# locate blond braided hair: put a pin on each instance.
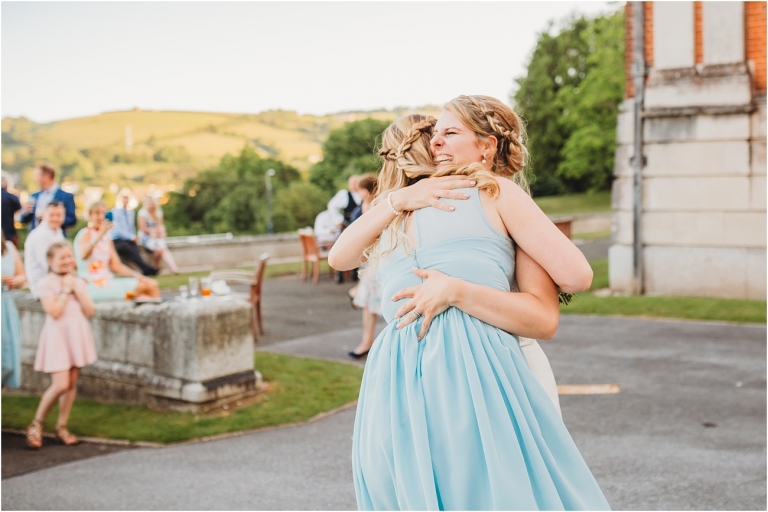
(407, 164)
(488, 117)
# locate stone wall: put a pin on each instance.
(187, 356)
(241, 251)
(704, 182)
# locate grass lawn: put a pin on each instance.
(575, 203)
(300, 388)
(692, 308)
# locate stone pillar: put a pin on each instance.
(704, 188)
(673, 35)
(723, 32)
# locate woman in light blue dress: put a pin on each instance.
(13, 278)
(450, 415)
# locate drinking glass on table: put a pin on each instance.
(183, 292)
(205, 287)
(194, 286)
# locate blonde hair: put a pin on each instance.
(95, 206)
(488, 117)
(407, 159)
(55, 247)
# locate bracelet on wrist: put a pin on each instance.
(389, 203)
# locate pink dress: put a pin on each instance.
(65, 342)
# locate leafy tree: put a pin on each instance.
(569, 98)
(298, 205)
(230, 197)
(348, 150)
(588, 154)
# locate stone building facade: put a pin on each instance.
(703, 180)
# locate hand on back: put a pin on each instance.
(429, 191)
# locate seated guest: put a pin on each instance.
(32, 213)
(99, 264)
(39, 240)
(152, 234)
(328, 224)
(124, 237)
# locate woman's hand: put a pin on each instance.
(428, 192)
(14, 282)
(429, 299)
(103, 229)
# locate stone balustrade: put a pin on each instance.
(187, 356)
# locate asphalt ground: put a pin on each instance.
(686, 432)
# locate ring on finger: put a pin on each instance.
(416, 314)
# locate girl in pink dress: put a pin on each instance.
(66, 341)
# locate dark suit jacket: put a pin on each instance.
(69, 205)
(11, 205)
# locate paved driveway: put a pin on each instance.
(687, 431)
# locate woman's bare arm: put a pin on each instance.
(533, 312)
(348, 249)
(538, 236)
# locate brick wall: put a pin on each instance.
(755, 41)
(755, 34)
(629, 49)
(629, 38)
(698, 33)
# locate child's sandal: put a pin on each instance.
(35, 434)
(65, 436)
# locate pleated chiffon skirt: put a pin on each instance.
(457, 421)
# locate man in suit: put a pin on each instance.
(32, 213)
(11, 205)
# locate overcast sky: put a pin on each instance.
(71, 59)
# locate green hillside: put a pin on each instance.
(166, 147)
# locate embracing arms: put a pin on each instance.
(348, 249)
(533, 312)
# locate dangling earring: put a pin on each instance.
(483, 160)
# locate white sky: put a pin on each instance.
(71, 59)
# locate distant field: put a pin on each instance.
(295, 139)
(109, 128)
(207, 144)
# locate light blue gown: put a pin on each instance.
(457, 420)
(11, 327)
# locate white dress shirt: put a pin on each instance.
(45, 197)
(37, 244)
(327, 226)
(341, 200)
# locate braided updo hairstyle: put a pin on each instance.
(487, 117)
(407, 159)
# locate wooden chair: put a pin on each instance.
(311, 254)
(254, 280)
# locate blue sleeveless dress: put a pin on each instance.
(457, 420)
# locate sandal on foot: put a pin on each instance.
(35, 434)
(65, 436)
